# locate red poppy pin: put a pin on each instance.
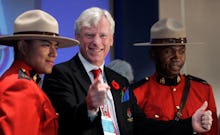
(130, 118)
(115, 85)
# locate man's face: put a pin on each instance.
(95, 42)
(40, 55)
(169, 59)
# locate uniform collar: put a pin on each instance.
(168, 81)
(25, 71)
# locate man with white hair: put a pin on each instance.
(90, 98)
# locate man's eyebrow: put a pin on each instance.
(50, 41)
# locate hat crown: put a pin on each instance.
(167, 28)
(36, 21)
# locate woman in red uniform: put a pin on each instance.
(24, 107)
(171, 103)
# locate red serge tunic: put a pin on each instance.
(160, 102)
(24, 107)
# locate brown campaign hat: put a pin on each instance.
(37, 24)
(166, 32)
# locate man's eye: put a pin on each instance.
(46, 45)
(89, 35)
(168, 51)
(103, 36)
(182, 51)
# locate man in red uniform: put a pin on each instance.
(24, 107)
(171, 103)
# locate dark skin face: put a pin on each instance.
(169, 60)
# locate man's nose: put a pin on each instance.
(53, 51)
(97, 39)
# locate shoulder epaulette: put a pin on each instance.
(197, 79)
(140, 82)
(22, 74)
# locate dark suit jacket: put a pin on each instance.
(67, 89)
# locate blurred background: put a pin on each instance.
(133, 21)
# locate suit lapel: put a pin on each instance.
(110, 78)
(80, 73)
(116, 93)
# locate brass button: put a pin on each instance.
(57, 114)
(174, 89)
(177, 107)
(156, 116)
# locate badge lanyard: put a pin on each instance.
(107, 122)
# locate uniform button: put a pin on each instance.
(174, 89)
(177, 107)
(156, 116)
(57, 114)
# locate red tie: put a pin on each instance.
(96, 73)
(104, 108)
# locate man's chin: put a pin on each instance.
(175, 73)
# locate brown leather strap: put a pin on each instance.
(169, 40)
(184, 98)
(37, 32)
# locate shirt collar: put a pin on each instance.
(87, 65)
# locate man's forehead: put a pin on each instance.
(45, 41)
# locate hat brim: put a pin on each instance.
(166, 44)
(63, 41)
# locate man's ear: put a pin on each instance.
(22, 47)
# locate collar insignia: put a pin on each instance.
(167, 81)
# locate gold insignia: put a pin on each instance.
(35, 77)
(162, 80)
(178, 79)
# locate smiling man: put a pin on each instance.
(171, 103)
(90, 98)
(24, 107)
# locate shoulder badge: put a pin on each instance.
(197, 79)
(22, 74)
(140, 82)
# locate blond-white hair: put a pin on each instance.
(91, 16)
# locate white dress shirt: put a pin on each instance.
(89, 67)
